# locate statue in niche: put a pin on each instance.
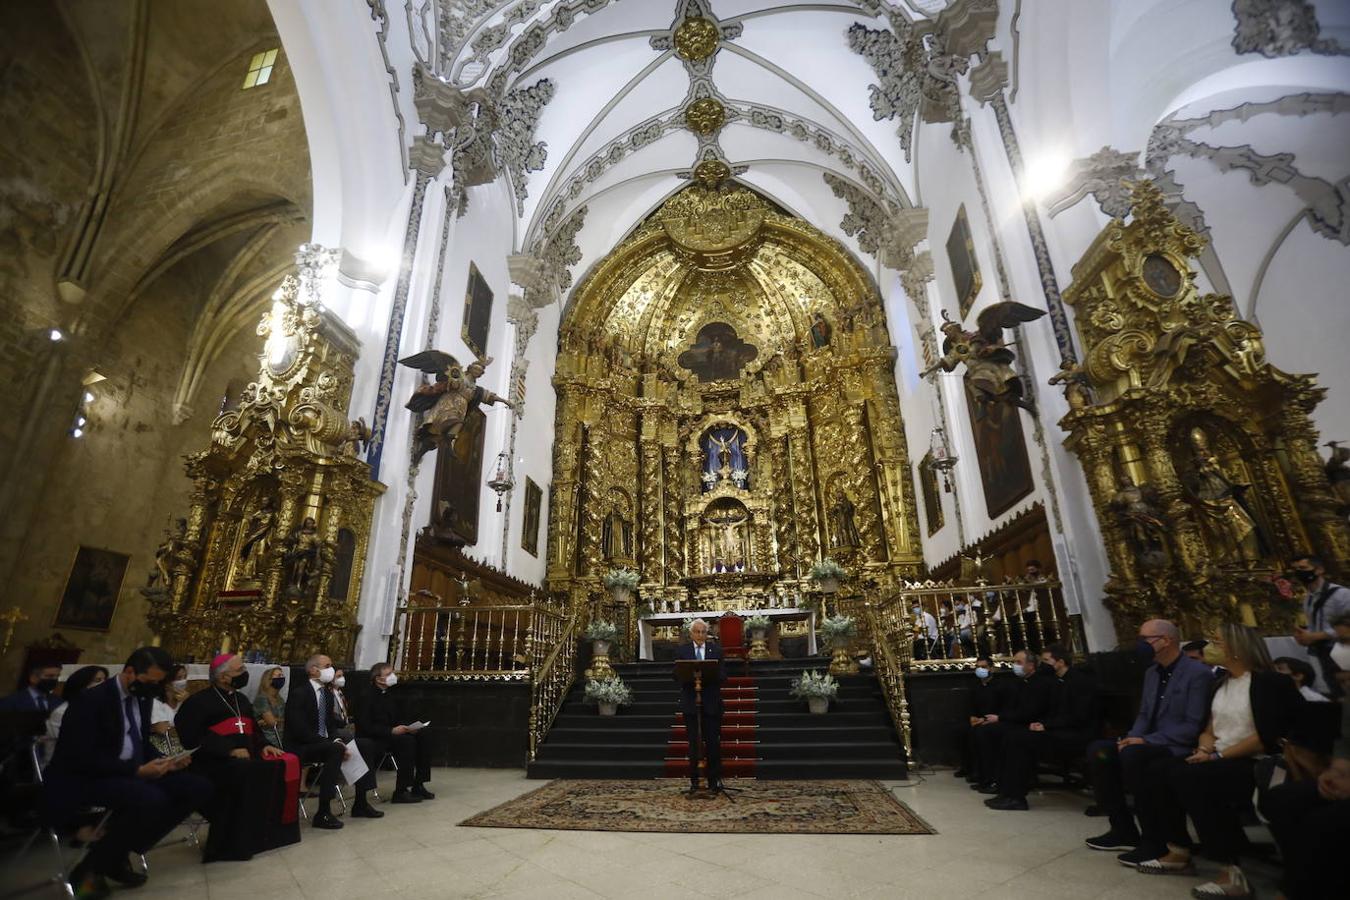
(988, 361)
(169, 555)
(1228, 524)
(257, 539)
(617, 536)
(841, 515)
(727, 539)
(724, 457)
(1136, 509)
(304, 554)
(821, 332)
(447, 400)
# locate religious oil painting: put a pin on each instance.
(718, 354)
(477, 312)
(90, 597)
(459, 476)
(932, 497)
(534, 500)
(965, 267)
(1005, 468)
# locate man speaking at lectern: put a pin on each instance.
(711, 726)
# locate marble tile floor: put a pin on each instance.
(420, 851)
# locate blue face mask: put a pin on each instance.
(1144, 650)
(1019, 670)
(981, 673)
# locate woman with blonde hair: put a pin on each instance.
(1252, 710)
(270, 707)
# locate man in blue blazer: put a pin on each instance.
(1172, 713)
(36, 695)
(104, 758)
(710, 727)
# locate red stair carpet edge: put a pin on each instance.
(740, 750)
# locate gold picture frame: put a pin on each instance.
(93, 587)
(477, 312)
(534, 501)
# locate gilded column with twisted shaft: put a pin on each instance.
(1326, 527)
(562, 508)
(858, 451)
(892, 469)
(650, 556)
(674, 568)
(802, 475)
(592, 518)
(776, 467)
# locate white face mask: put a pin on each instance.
(340, 681)
(982, 673)
(325, 674)
(390, 680)
(180, 685)
(1019, 670)
(1340, 655)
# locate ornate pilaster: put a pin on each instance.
(675, 562)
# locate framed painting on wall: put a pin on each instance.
(932, 496)
(477, 312)
(1001, 449)
(534, 500)
(459, 481)
(92, 588)
(965, 265)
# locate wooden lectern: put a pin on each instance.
(687, 670)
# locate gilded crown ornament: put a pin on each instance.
(705, 115)
(696, 39)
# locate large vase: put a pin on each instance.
(620, 593)
(759, 647)
(600, 669)
(828, 585)
(608, 709)
(818, 705)
(841, 659)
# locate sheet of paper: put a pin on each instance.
(418, 726)
(353, 767)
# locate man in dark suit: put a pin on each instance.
(1172, 713)
(985, 698)
(709, 729)
(1027, 700)
(36, 695)
(1074, 719)
(381, 723)
(312, 726)
(104, 757)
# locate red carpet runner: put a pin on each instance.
(740, 749)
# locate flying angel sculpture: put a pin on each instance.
(988, 360)
(446, 401)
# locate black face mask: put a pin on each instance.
(1144, 650)
(1307, 576)
(146, 690)
(47, 685)
(278, 683)
(240, 680)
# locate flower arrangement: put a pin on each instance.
(612, 690)
(600, 630)
(815, 684)
(621, 578)
(827, 568)
(757, 623)
(838, 629)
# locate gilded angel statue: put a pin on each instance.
(988, 360)
(447, 400)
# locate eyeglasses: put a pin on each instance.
(1152, 637)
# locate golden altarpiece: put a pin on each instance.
(271, 553)
(727, 414)
(1199, 454)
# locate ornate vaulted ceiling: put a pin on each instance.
(609, 104)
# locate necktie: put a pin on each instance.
(323, 713)
(700, 651)
(137, 750)
(42, 702)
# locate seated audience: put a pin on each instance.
(1033, 619)
(38, 694)
(1252, 711)
(79, 681)
(1027, 700)
(1324, 602)
(340, 705)
(1310, 818)
(1072, 721)
(310, 732)
(1304, 676)
(927, 643)
(382, 722)
(1172, 711)
(104, 758)
(269, 707)
(985, 698)
(257, 786)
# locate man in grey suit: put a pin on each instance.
(1172, 713)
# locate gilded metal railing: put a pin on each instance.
(890, 656)
(552, 679)
(475, 643)
(959, 622)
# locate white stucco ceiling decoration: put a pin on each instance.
(794, 96)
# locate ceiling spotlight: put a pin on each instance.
(80, 421)
(56, 335)
(88, 397)
(78, 432)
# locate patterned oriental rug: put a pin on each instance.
(759, 807)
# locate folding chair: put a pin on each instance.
(309, 774)
(387, 758)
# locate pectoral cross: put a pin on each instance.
(239, 723)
